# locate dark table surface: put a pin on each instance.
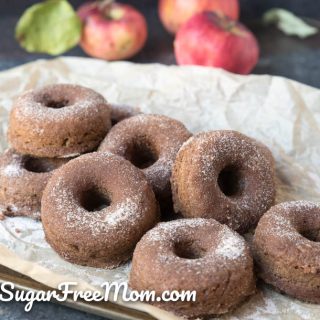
(280, 55)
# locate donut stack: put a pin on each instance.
(47, 128)
(101, 208)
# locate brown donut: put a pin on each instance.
(58, 120)
(120, 112)
(224, 175)
(22, 181)
(96, 208)
(194, 254)
(151, 143)
(287, 250)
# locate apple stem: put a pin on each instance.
(104, 5)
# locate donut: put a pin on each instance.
(58, 121)
(198, 255)
(224, 175)
(96, 208)
(286, 249)
(22, 181)
(150, 142)
(121, 112)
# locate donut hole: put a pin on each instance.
(57, 104)
(94, 200)
(230, 181)
(141, 155)
(188, 250)
(39, 165)
(312, 235)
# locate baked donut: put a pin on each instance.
(58, 121)
(224, 175)
(120, 112)
(22, 181)
(287, 250)
(199, 255)
(151, 143)
(96, 208)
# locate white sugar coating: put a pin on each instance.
(169, 129)
(119, 215)
(205, 155)
(157, 233)
(28, 105)
(124, 212)
(10, 164)
(300, 204)
(281, 225)
(161, 134)
(12, 170)
(230, 246)
(114, 216)
(230, 143)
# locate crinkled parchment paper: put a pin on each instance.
(283, 114)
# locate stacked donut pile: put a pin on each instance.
(102, 178)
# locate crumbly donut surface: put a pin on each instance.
(151, 142)
(58, 121)
(22, 181)
(96, 208)
(287, 251)
(194, 254)
(224, 175)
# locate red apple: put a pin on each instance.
(174, 13)
(210, 40)
(112, 31)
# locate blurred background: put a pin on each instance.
(282, 55)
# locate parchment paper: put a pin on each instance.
(283, 114)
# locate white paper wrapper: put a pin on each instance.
(283, 114)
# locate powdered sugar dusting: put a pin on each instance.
(11, 163)
(301, 204)
(119, 215)
(282, 220)
(230, 246)
(124, 211)
(12, 170)
(161, 134)
(32, 102)
(165, 228)
(204, 156)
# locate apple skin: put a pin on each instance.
(209, 40)
(174, 13)
(114, 32)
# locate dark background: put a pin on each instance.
(280, 55)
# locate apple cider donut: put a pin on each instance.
(151, 143)
(287, 250)
(96, 208)
(58, 121)
(224, 175)
(120, 112)
(22, 181)
(199, 255)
